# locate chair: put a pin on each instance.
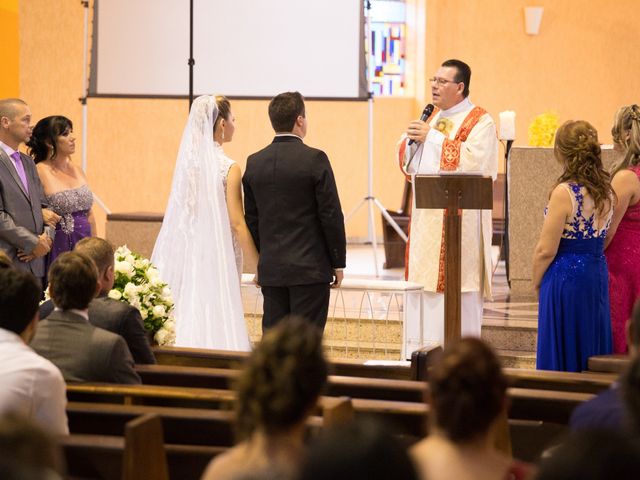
(394, 246)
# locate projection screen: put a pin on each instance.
(242, 48)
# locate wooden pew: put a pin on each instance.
(220, 378)
(196, 357)
(561, 381)
(608, 363)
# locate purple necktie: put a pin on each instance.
(20, 168)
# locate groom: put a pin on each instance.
(293, 212)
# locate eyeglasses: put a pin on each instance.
(441, 81)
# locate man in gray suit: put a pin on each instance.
(104, 312)
(22, 227)
(82, 352)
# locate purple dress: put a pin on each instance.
(73, 206)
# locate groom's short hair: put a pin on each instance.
(97, 249)
(73, 281)
(284, 109)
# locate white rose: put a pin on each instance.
(152, 273)
(130, 259)
(125, 268)
(141, 263)
(144, 314)
(115, 294)
(166, 292)
(161, 336)
(159, 311)
(130, 290)
(155, 281)
(122, 251)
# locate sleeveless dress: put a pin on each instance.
(573, 311)
(73, 206)
(623, 259)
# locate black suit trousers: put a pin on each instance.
(309, 301)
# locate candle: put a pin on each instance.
(507, 125)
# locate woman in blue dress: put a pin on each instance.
(569, 266)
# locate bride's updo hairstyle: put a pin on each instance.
(282, 379)
(626, 135)
(467, 390)
(578, 150)
(45, 134)
(224, 109)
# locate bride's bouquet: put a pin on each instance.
(138, 282)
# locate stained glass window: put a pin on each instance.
(387, 46)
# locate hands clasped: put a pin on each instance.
(41, 249)
(50, 217)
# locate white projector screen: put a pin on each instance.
(242, 48)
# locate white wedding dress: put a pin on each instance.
(195, 252)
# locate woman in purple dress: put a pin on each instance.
(65, 185)
(623, 240)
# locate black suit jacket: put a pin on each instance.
(293, 212)
(117, 317)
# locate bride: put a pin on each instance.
(199, 250)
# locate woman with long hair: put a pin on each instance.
(204, 238)
(569, 267)
(623, 239)
(277, 391)
(65, 184)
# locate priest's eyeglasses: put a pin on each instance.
(441, 81)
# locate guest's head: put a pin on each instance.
(101, 252)
(282, 379)
(626, 136)
(578, 151)
(5, 261)
(360, 450)
(52, 137)
(26, 451)
(224, 126)
(592, 455)
(451, 84)
(73, 281)
(467, 390)
(287, 114)
(20, 295)
(15, 122)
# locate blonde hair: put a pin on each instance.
(627, 120)
(578, 150)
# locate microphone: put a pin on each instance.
(426, 113)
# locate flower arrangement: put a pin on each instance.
(138, 282)
(542, 130)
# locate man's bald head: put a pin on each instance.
(9, 107)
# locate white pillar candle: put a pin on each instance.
(507, 125)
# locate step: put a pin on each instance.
(513, 335)
(517, 359)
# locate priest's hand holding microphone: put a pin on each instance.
(418, 129)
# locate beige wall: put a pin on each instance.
(583, 64)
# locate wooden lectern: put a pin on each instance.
(453, 193)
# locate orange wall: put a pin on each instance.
(9, 49)
(583, 64)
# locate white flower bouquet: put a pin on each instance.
(138, 282)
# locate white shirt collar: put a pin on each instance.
(83, 313)
(288, 135)
(8, 150)
(460, 107)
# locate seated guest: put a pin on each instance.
(31, 385)
(82, 352)
(606, 410)
(569, 266)
(277, 391)
(467, 397)
(113, 315)
(361, 450)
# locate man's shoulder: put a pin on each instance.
(604, 410)
(26, 361)
(110, 306)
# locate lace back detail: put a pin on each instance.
(585, 223)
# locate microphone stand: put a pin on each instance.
(191, 61)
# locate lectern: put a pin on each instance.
(453, 193)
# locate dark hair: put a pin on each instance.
(630, 385)
(224, 109)
(592, 455)
(20, 295)
(73, 279)
(359, 450)
(627, 120)
(45, 134)
(284, 109)
(282, 379)
(5, 261)
(467, 389)
(97, 249)
(577, 148)
(463, 75)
